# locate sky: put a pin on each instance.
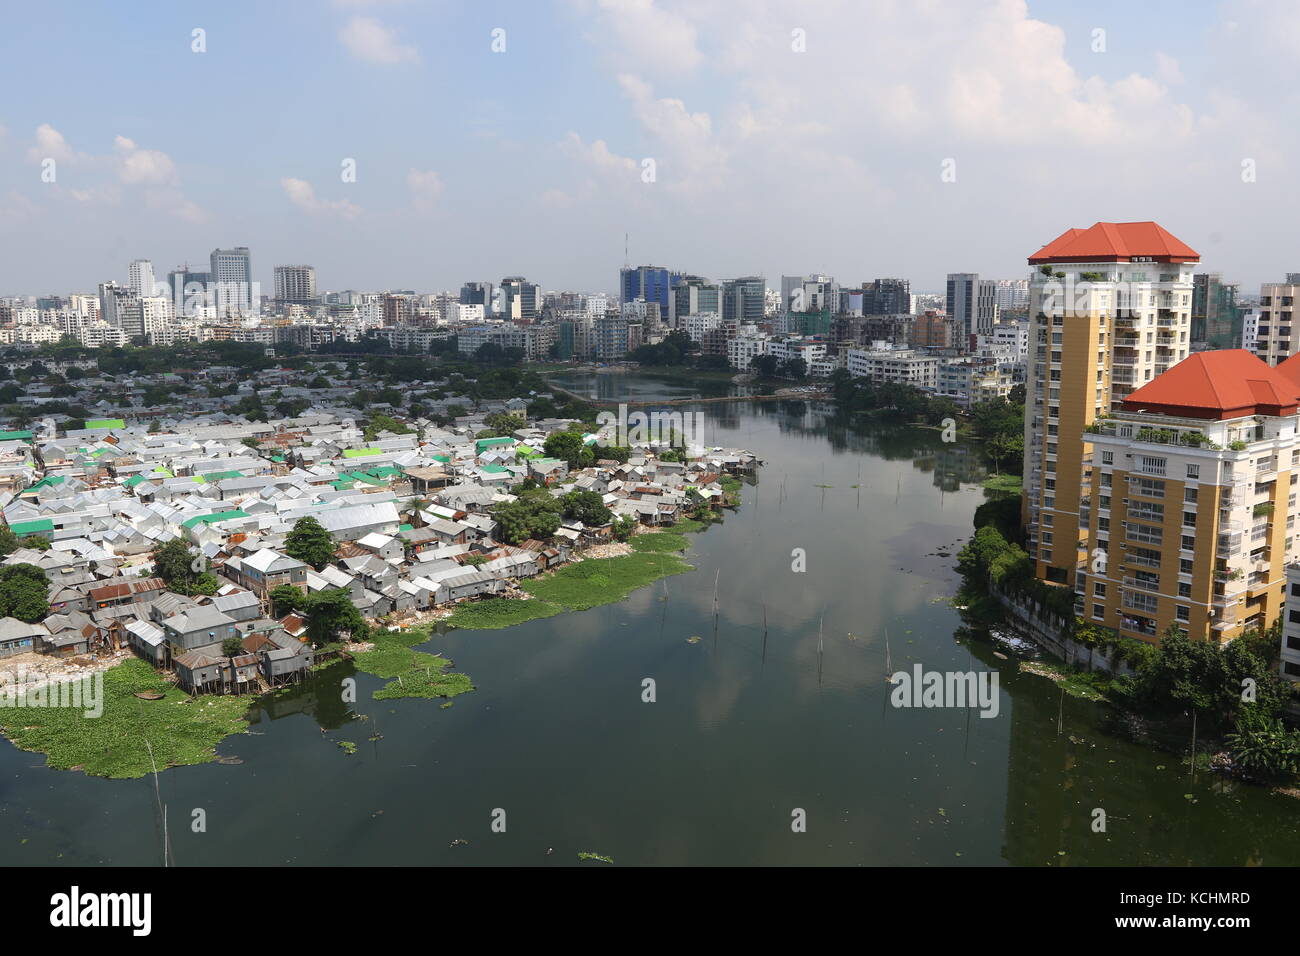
(856, 138)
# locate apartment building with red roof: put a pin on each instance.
(1110, 310)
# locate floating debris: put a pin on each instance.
(694, 639)
(599, 858)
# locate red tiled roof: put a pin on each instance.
(1116, 242)
(1224, 384)
(1290, 368)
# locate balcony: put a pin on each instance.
(1142, 585)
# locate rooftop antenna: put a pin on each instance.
(627, 263)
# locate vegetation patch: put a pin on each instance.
(597, 581)
(412, 673)
(660, 541)
(181, 730)
(1003, 484)
(500, 612)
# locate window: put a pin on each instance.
(1099, 611)
(1193, 471)
(1184, 613)
(1099, 590)
(1189, 519)
(1189, 542)
(1184, 590)
(1189, 495)
(1108, 458)
(1185, 566)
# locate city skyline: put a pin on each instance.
(426, 158)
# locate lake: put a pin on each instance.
(749, 723)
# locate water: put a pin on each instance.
(742, 732)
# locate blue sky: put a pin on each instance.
(473, 164)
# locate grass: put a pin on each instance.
(1007, 484)
(660, 541)
(411, 673)
(597, 581)
(500, 612)
(181, 730)
(690, 526)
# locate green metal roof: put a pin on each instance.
(484, 443)
(32, 527)
(48, 481)
(214, 518)
(361, 452)
(221, 475)
(106, 423)
(16, 436)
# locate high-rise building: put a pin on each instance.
(814, 293)
(396, 308)
(1011, 295)
(232, 274)
(693, 295)
(113, 299)
(295, 284)
(1193, 502)
(477, 293)
(1110, 308)
(744, 299)
(961, 300)
(652, 283)
(1216, 317)
(521, 300)
(973, 303)
(139, 277)
(886, 297)
(1274, 341)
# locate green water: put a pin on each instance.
(747, 727)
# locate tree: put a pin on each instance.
(568, 447)
(24, 592)
(587, 507)
(764, 366)
(285, 598)
(536, 514)
(310, 543)
(330, 613)
(183, 569)
(232, 647)
(623, 528)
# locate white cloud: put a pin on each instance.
(50, 144)
(142, 166)
(303, 195)
(425, 186)
(647, 36)
(368, 39)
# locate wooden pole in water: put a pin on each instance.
(763, 659)
(1060, 711)
(820, 622)
(715, 607)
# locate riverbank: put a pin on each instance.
(585, 584)
(132, 736)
